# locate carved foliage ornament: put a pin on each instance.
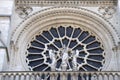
(23, 11)
(107, 11)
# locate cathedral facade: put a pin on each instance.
(60, 36)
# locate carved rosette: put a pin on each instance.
(107, 11)
(23, 11)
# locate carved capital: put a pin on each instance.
(117, 47)
(23, 11)
(107, 11)
(13, 46)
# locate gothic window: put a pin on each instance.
(71, 48)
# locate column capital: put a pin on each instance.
(117, 47)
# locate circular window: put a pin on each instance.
(65, 49)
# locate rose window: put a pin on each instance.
(65, 49)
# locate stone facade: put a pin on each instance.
(25, 19)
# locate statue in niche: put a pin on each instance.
(65, 57)
(74, 60)
(53, 59)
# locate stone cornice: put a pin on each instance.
(65, 2)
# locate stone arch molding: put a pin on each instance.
(64, 16)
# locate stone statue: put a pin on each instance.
(74, 60)
(53, 59)
(65, 57)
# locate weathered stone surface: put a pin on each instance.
(6, 7)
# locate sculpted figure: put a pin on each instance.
(53, 59)
(64, 59)
(74, 61)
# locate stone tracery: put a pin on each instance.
(65, 49)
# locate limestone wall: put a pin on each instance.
(5, 22)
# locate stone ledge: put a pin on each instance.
(65, 3)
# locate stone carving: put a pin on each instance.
(23, 11)
(65, 2)
(117, 47)
(74, 61)
(53, 59)
(64, 58)
(67, 54)
(64, 11)
(13, 46)
(107, 11)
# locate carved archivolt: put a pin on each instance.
(65, 16)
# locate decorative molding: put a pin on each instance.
(1, 41)
(88, 11)
(107, 11)
(55, 16)
(23, 11)
(65, 3)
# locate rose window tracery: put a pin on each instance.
(65, 49)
